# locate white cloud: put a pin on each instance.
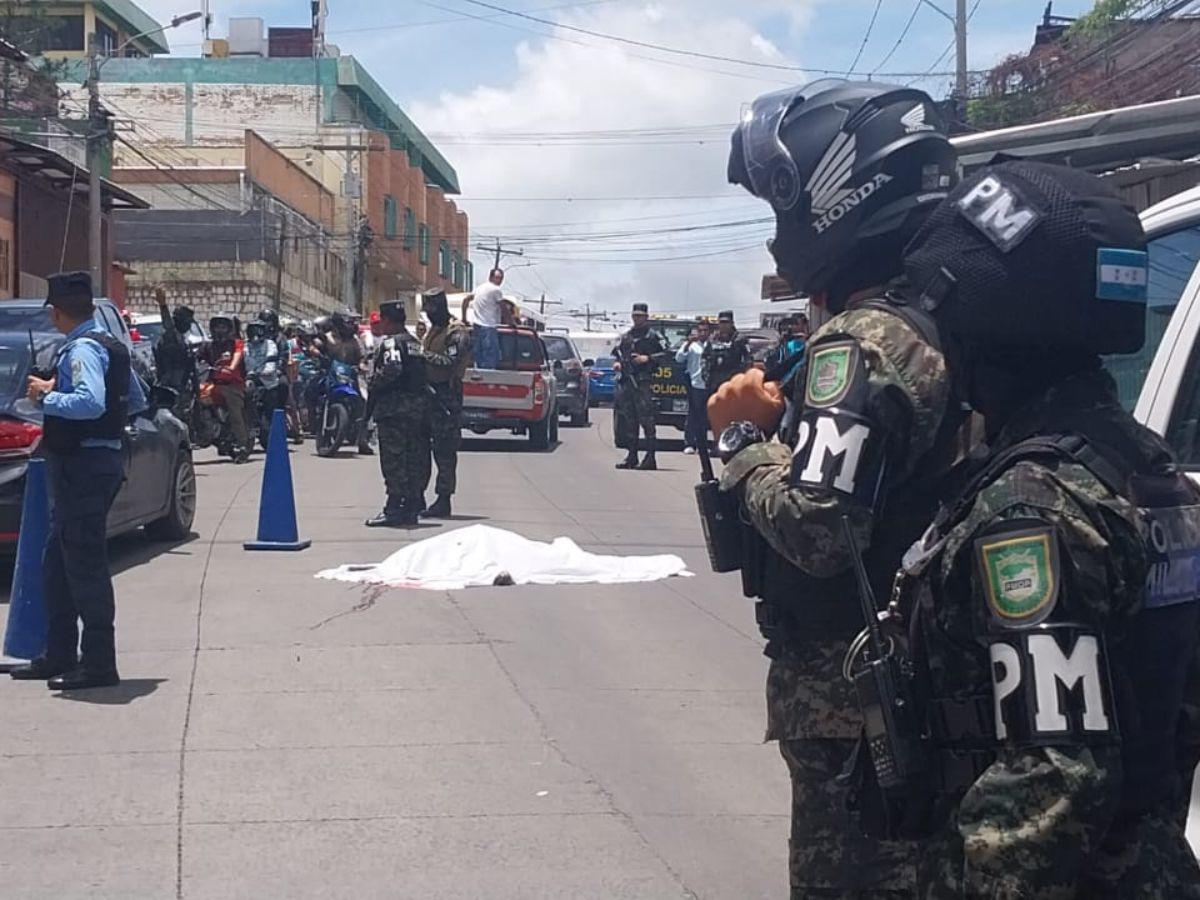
(563, 87)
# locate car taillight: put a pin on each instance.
(18, 438)
(539, 390)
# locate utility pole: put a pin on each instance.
(350, 190)
(960, 44)
(499, 251)
(97, 132)
(278, 304)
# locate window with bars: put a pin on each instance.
(423, 244)
(444, 259)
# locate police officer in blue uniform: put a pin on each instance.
(86, 406)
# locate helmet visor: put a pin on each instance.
(766, 168)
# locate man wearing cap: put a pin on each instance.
(399, 391)
(447, 348)
(638, 353)
(85, 407)
(727, 353)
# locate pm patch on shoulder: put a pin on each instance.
(1020, 573)
(831, 371)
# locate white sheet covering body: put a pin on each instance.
(475, 555)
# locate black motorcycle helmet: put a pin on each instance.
(256, 331)
(269, 319)
(851, 170)
(344, 323)
(222, 326)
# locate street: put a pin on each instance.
(281, 736)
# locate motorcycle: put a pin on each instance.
(210, 424)
(340, 408)
(261, 403)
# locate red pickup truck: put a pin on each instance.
(520, 396)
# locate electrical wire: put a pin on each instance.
(867, 36)
(900, 40)
(663, 48)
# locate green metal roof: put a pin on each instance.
(136, 21)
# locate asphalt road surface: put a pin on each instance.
(278, 736)
(282, 737)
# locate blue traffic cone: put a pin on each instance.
(277, 507)
(25, 636)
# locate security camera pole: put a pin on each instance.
(99, 133)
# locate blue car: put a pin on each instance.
(603, 381)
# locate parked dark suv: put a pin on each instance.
(572, 377)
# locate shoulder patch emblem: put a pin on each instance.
(1020, 575)
(830, 372)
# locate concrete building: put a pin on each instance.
(228, 236)
(394, 220)
(58, 29)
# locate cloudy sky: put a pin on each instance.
(605, 161)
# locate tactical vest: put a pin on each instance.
(64, 436)
(722, 360)
(1147, 670)
(399, 367)
(797, 604)
(437, 341)
(647, 344)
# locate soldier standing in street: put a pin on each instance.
(400, 406)
(726, 354)
(1056, 597)
(447, 354)
(640, 350)
(851, 170)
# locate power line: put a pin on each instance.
(663, 48)
(900, 40)
(867, 36)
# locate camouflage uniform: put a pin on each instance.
(401, 412)
(1044, 818)
(447, 353)
(634, 403)
(811, 710)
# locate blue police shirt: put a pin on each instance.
(79, 386)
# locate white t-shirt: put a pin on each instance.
(487, 305)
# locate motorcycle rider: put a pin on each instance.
(341, 342)
(225, 354)
(287, 369)
(262, 368)
(851, 170)
(173, 359)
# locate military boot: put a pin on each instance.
(630, 461)
(650, 464)
(393, 517)
(440, 508)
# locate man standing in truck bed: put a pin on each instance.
(639, 351)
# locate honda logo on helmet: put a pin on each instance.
(834, 215)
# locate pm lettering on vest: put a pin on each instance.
(998, 210)
(835, 451)
(1051, 686)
